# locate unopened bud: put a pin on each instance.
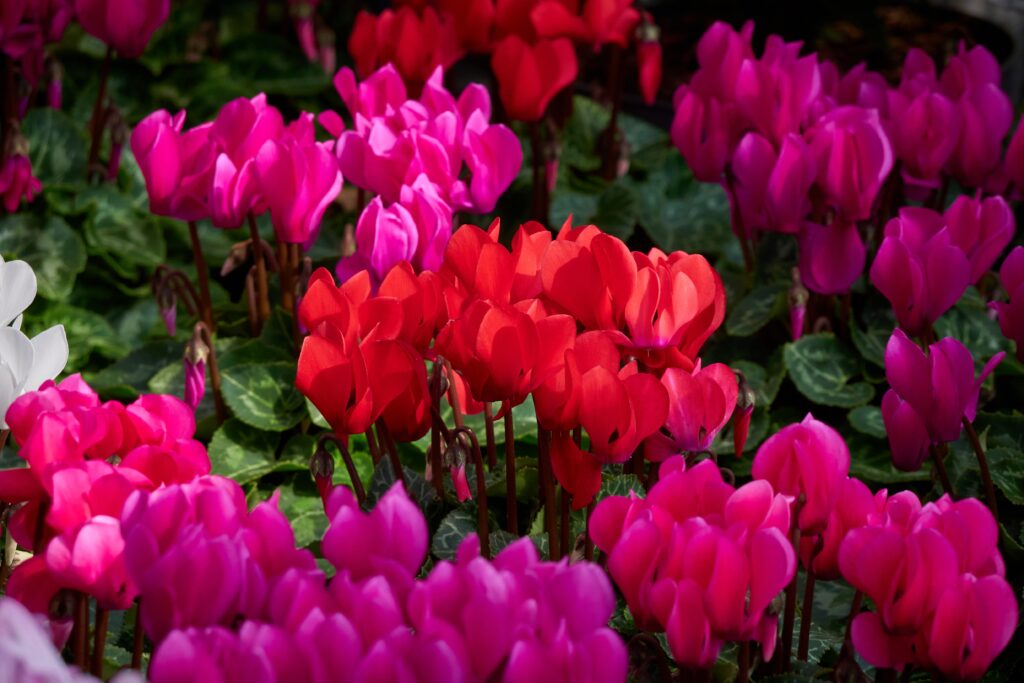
(798, 297)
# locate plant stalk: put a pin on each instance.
(512, 507)
(743, 662)
(547, 484)
(482, 519)
(938, 457)
(350, 466)
(205, 303)
(492, 447)
(540, 172)
(99, 640)
(565, 522)
(262, 288)
(80, 635)
(96, 124)
(986, 475)
(789, 619)
(218, 398)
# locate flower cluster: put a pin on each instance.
(699, 559)
(530, 43)
(1011, 313)
(927, 260)
(85, 459)
(412, 153)
(802, 149)
(252, 607)
(935, 576)
(243, 163)
(604, 339)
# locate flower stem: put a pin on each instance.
(262, 291)
(98, 116)
(789, 619)
(938, 458)
(218, 398)
(371, 441)
(350, 466)
(986, 476)
(387, 444)
(492, 448)
(206, 306)
(565, 522)
(546, 480)
(81, 630)
(99, 640)
(482, 519)
(610, 138)
(743, 662)
(4, 433)
(588, 543)
(436, 476)
(512, 507)
(806, 614)
(139, 637)
(540, 181)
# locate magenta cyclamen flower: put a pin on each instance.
(981, 228)
(124, 25)
(919, 268)
(698, 559)
(17, 182)
(808, 459)
(925, 130)
(177, 166)
(1011, 313)
(1014, 161)
(854, 158)
(930, 395)
(396, 139)
(831, 256)
(936, 578)
(771, 189)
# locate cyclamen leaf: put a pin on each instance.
(241, 452)
(264, 396)
(867, 420)
(55, 251)
(821, 368)
(56, 145)
(755, 310)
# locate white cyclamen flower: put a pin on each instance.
(17, 290)
(24, 363)
(27, 654)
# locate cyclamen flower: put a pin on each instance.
(1011, 313)
(124, 25)
(982, 228)
(698, 559)
(24, 363)
(919, 268)
(700, 405)
(935, 576)
(930, 397)
(17, 182)
(530, 75)
(808, 459)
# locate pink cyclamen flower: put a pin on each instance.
(705, 131)
(91, 559)
(936, 578)
(831, 256)
(775, 92)
(238, 133)
(700, 405)
(771, 189)
(178, 166)
(698, 559)
(808, 459)
(930, 397)
(17, 182)
(124, 25)
(982, 228)
(1011, 313)
(854, 158)
(925, 130)
(1014, 161)
(299, 180)
(919, 268)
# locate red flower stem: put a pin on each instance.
(371, 441)
(548, 490)
(99, 640)
(588, 543)
(96, 124)
(388, 444)
(262, 291)
(218, 398)
(81, 630)
(37, 538)
(610, 137)
(284, 275)
(350, 466)
(986, 476)
(205, 303)
(4, 433)
(482, 518)
(139, 637)
(360, 201)
(512, 507)
(636, 462)
(737, 222)
(492, 448)
(789, 620)
(436, 476)
(807, 613)
(540, 181)
(453, 399)
(938, 457)
(566, 521)
(294, 258)
(743, 662)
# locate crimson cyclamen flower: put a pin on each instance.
(930, 397)
(919, 268)
(124, 25)
(1011, 313)
(530, 75)
(698, 559)
(808, 459)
